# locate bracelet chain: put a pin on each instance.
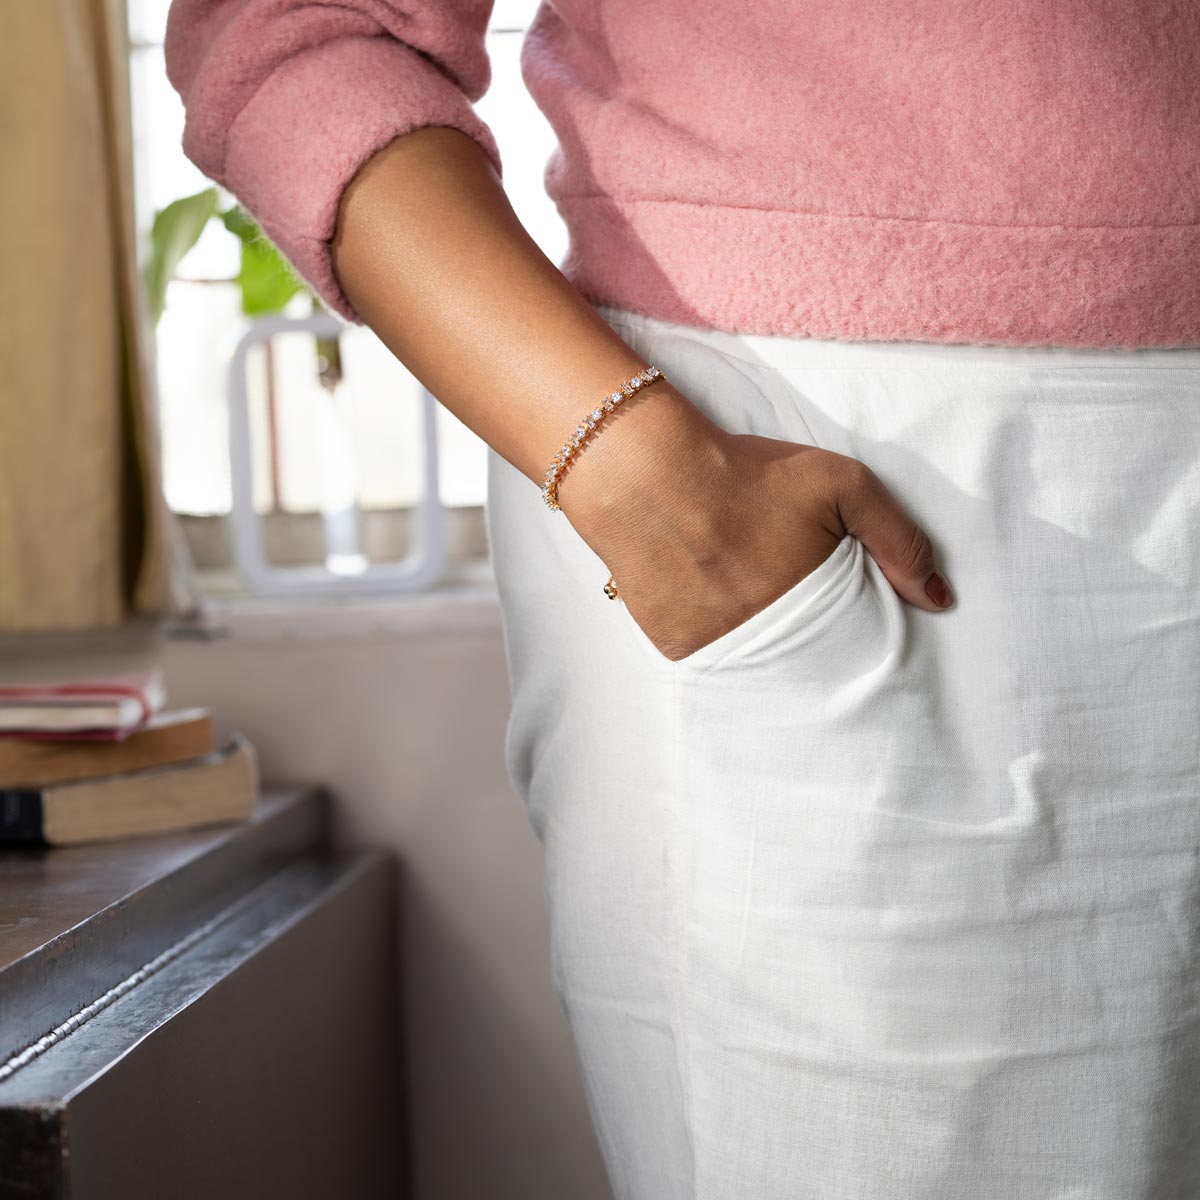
(587, 426)
(582, 432)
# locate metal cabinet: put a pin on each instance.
(200, 1015)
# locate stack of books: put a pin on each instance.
(101, 757)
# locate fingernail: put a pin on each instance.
(938, 591)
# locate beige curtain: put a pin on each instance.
(86, 540)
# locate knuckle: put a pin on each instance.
(854, 475)
(851, 486)
(844, 478)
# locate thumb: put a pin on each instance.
(893, 539)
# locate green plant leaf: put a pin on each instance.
(176, 229)
(240, 223)
(266, 280)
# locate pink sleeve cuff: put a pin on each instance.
(303, 135)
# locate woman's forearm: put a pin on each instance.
(431, 254)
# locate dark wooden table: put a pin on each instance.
(200, 1015)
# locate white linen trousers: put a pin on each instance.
(863, 902)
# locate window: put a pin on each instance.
(380, 400)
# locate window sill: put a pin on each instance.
(466, 606)
(465, 601)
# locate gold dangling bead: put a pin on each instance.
(610, 589)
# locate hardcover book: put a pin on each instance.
(216, 787)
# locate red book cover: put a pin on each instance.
(144, 688)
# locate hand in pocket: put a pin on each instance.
(702, 528)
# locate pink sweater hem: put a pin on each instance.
(879, 279)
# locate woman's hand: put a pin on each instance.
(702, 528)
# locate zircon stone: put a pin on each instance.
(617, 397)
(596, 414)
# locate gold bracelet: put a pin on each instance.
(587, 426)
(582, 432)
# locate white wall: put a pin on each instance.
(399, 707)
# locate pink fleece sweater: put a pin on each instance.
(1015, 173)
